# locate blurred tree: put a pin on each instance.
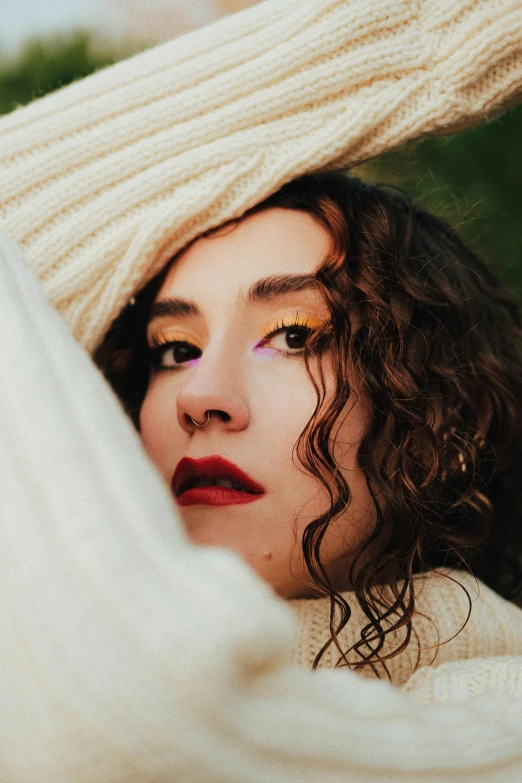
(472, 179)
(45, 64)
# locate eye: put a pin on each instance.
(289, 335)
(172, 354)
(290, 338)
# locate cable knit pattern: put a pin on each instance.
(104, 180)
(440, 631)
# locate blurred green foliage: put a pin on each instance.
(473, 179)
(46, 64)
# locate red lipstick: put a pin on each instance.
(213, 481)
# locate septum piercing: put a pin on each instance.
(197, 424)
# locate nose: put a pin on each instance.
(213, 395)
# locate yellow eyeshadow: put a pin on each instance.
(294, 319)
(164, 336)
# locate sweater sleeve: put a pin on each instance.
(128, 654)
(103, 181)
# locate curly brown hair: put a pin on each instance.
(437, 357)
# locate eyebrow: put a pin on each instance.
(263, 290)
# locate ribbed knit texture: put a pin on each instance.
(441, 631)
(127, 655)
(103, 181)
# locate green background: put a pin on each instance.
(472, 179)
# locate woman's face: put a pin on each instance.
(230, 321)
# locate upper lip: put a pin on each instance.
(188, 471)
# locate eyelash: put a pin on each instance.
(296, 323)
(159, 344)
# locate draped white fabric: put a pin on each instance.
(129, 655)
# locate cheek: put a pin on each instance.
(353, 527)
(158, 425)
(282, 405)
(348, 433)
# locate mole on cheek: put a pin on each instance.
(267, 555)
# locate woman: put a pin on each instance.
(388, 301)
(126, 651)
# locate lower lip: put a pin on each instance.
(215, 496)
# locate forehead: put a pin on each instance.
(274, 241)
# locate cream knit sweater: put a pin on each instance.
(441, 633)
(126, 653)
(101, 182)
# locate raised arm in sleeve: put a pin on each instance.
(103, 181)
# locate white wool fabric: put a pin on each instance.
(129, 655)
(104, 180)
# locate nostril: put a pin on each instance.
(222, 415)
